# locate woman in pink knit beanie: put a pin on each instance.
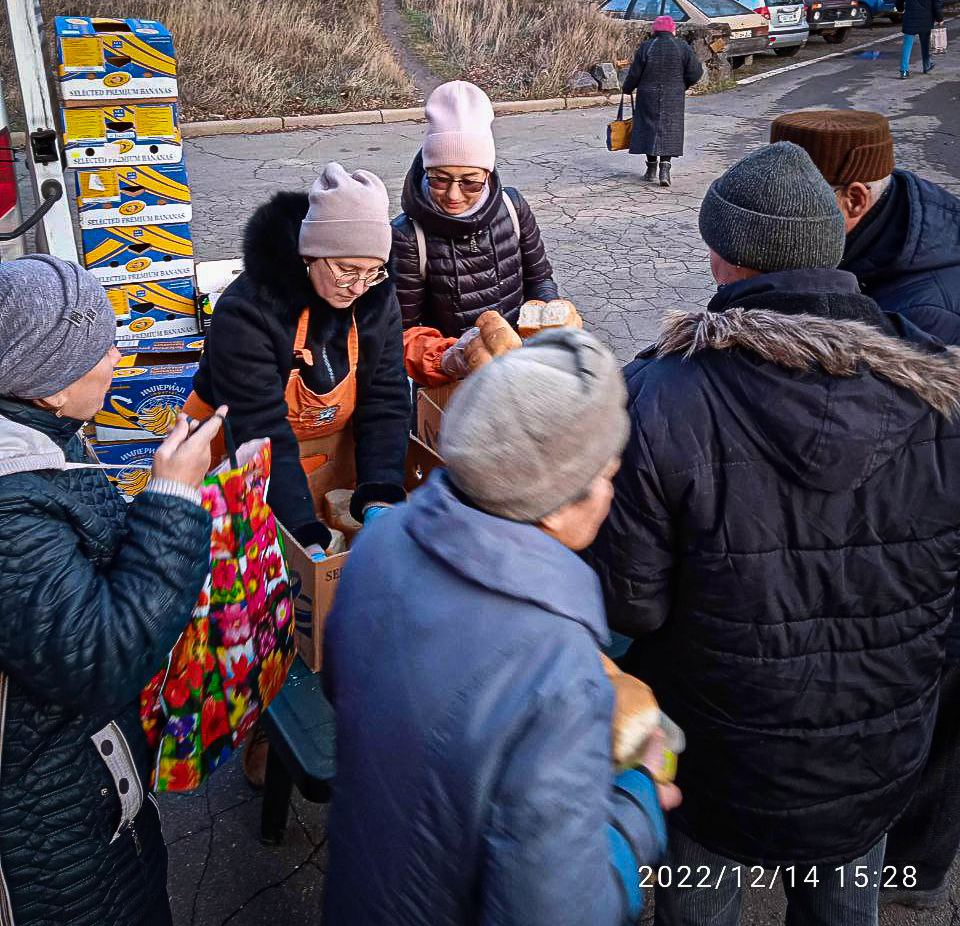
(464, 243)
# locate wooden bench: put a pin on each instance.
(300, 728)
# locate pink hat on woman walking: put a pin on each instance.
(665, 24)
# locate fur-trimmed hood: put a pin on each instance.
(828, 399)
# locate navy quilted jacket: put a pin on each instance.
(93, 594)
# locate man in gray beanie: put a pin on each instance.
(55, 326)
(784, 537)
(462, 659)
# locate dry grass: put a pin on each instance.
(261, 57)
(521, 49)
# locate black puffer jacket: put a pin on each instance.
(94, 595)
(473, 264)
(249, 356)
(920, 16)
(793, 539)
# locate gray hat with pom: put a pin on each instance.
(529, 432)
(773, 210)
(56, 325)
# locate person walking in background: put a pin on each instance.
(903, 244)
(475, 781)
(95, 594)
(463, 244)
(785, 539)
(919, 18)
(663, 69)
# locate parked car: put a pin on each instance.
(9, 206)
(833, 19)
(871, 9)
(789, 30)
(749, 32)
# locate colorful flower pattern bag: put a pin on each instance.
(234, 655)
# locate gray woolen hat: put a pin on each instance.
(56, 325)
(773, 210)
(530, 431)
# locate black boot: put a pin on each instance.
(664, 173)
(651, 175)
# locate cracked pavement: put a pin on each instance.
(624, 252)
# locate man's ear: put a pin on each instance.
(857, 200)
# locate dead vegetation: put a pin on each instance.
(242, 58)
(520, 49)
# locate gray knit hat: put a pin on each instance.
(349, 216)
(529, 432)
(56, 325)
(774, 211)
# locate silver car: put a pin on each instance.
(789, 29)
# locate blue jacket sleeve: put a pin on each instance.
(564, 839)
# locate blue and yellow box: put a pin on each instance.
(138, 254)
(144, 400)
(111, 59)
(127, 465)
(180, 346)
(159, 309)
(121, 134)
(118, 196)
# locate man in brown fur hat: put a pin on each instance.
(785, 536)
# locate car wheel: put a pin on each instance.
(736, 63)
(836, 36)
(896, 18)
(788, 52)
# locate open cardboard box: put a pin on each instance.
(431, 401)
(315, 584)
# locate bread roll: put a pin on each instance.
(476, 354)
(635, 715)
(336, 513)
(498, 337)
(529, 321)
(560, 313)
(338, 543)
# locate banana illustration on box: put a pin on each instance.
(127, 466)
(144, 401)
(164, 309)
(138, 254)
(102, 59)
(108, 197)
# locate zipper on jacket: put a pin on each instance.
(6, 909)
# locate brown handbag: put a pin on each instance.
(620, 130)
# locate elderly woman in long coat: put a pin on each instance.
(662, 71)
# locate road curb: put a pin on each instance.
(376, 117)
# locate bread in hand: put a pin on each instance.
(498, 337)
(528, 323)
(636, 715)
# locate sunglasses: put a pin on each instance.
(352, 277)
(444, 183)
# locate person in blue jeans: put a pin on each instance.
(919, 18)
(475, 783)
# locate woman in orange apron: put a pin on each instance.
(306, 348)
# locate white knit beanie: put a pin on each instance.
(459, 127)
(349, 216)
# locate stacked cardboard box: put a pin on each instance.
(118, 87)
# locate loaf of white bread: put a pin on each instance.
(498, 337)
(636, 715)
(537, 315)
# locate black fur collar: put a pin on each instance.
(271, 253)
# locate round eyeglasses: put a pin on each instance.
(352, 277)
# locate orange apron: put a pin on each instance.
(319, 422)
